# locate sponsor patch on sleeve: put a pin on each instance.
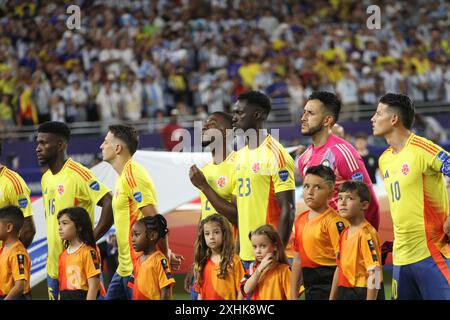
(442, 156)
(21, 263)
(283, 174)
(23, 202)
(137, 196)
(445, 168)
(95, 186)
(358, 176)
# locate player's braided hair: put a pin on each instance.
(156, 224)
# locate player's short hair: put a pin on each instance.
(227, 118)
(322, 171)
(256, 98)
(12, 214)
(402, 106)
(330, 101)
(55, 127)
(362, 190)
(127, 134)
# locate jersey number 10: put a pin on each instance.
(395, 191)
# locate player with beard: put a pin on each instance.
(216, 179)
(321, 112)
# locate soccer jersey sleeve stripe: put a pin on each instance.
(82, 169)
(351, 156)
(424, 148)
(130, 173)
(277, 153)
(130, 178)
(80, 173)
(348, 157)
(15, 182)
(425, 144)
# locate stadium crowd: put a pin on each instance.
(141, 59)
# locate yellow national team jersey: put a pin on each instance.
(14, 191)
(260, 174)
(221, 178)
(418, 199)
(73, 185)
(133, 190)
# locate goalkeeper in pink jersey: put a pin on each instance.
(321, 112)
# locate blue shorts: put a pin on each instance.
(53, 288)
(118, 288)
(194, 294)
(428, 279)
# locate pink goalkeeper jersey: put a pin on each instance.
(347, 164)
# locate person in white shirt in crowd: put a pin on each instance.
(367, 87)
(108, 103)
(77, 100)
(417, 84)
(296, 96)
(214, 97)
(153, 95)
(110, 58)
(131, 94)
(57, 108)
(447, 83)
(435, 80)
(264, 78)
(392, 80)
(347, 90)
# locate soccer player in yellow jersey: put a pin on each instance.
(14, 191)
(134, 197)
(264, 190)
(413, 169)
(66, 184)
(216, 179)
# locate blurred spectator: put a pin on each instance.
(153, 96)
(170, 136)
(447, 83)
(77, 100)
(393, 81)
(297, 97)
(347, 90)
(108, 102)
(430, 128)
(417, 85)
(367, 87)
(6, 113)
(369, 158)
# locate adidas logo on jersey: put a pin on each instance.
(386, 175)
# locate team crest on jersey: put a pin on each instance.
(283, 174)
(405, 169)
(61, 189)
(95, 186)
(222, 182)
(442, 156)
(137, 196)
(256, 166)
(23, 202)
